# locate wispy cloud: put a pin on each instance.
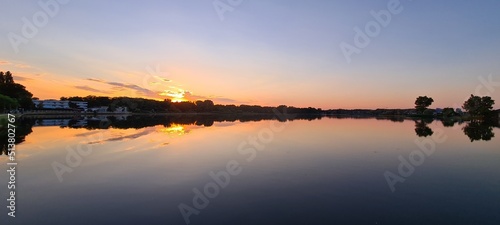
(17, 65)
(87, 88)
(140, 90)
(222, 100)
(94, 79)
(21, 78)
(122, 86)
(173, 92)
(20, 65)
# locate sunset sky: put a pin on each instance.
(265, 52)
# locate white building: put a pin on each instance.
(56, 104)
(81, 105)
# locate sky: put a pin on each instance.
(262, 52)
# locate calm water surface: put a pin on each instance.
(324, 171)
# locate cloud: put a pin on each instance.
(87, 88)
(122, 86)
(222, 100)
(97, 80)
(173, 92)
(17, 65)
(163, 79)
(217, 99)
(138, 89)
(20, 65)
(21, 78)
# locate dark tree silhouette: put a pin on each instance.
(422, 102)
(15, 91)
(479, 106)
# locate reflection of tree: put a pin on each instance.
(479, 130)
(448, 122)
(421, 128)
(23, 128)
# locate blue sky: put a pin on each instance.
(263, 52)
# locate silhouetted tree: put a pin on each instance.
(449, 112)
(422, 102)
(479, 106)
(16, 91)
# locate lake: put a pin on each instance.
(211, 170)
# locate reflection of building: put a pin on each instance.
(105, 109)
(52, 122)
(60, 123)
(56, 104)
(102, 109)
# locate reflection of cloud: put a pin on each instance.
(87, 133)
(223, 124)
(131, 136)
(87, 88)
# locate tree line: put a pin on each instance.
(141, 105)
(475, 106)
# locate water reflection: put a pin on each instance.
(176, 125)
(421, 128)
(479, 130)
(175, 129)
(23, 129)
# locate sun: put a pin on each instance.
(175, 96)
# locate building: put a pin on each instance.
(56, 104)
(81, 105)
